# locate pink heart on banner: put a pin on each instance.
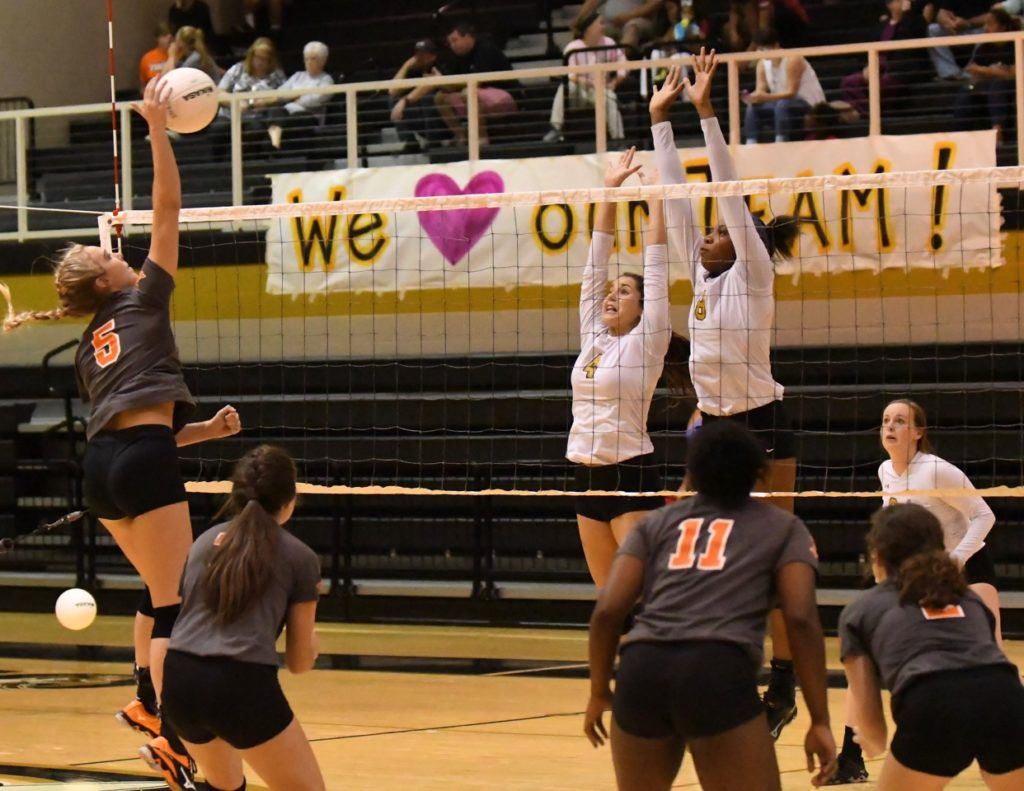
(456, 231)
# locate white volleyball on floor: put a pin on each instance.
(193, 102)
(76, 609)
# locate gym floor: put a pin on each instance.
(394, 707)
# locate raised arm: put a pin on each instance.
(595, 274)
(980, 518)
(655, 320)
(752, 259)
(679, 214)
(163, 245)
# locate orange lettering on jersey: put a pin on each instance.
(591, 368)
(939, 613)
(106, 345)
(686, 547)
(713, 558)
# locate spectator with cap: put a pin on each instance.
(304, 110)
(474, 55)
(582, 87)
(417, 121)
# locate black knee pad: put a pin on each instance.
(145, 603)
(163, 620)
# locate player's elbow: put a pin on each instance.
(299, 662)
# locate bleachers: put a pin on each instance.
(501, 422)
(371, 47)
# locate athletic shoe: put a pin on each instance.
(851, 770)
(177, 770)
(781, 711)
(137, 717)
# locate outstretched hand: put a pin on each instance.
(665, 96)
(620, 170)
(699, 91)
(155, 99)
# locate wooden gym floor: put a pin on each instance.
(396, 707)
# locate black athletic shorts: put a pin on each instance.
(638, 474)
(132, 471)
(946, 720)
(770, 424)
(685, 689)
(980, 568)
(212, 697)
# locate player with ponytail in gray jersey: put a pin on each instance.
(925, 636)
(244, 581)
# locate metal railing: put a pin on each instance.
(733, 63)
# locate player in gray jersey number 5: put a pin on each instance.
(706, 571)
(129, 373)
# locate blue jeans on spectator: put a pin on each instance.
(786, 116)
(942, 57)
(985, 104)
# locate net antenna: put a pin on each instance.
(105, 239)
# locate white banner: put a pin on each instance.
(947, 227)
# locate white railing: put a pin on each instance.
(352, 91)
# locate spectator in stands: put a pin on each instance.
(683, 23)
(631, 22)
(787, 87)
(473, 55)
(417, 121)
(152, 63)
(747, 18)
(902, 21)
(188, 50)
(259, 71)
(262, 15)
(955, 18)
(582, 90)
(1012, 7)
(987, 101)
(193, 13)
(305, 110)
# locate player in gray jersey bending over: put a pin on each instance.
(930, 640)
(129, 372)
(707, 570)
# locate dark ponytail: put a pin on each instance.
(907, 540)
(242, 564)
(780, 236)
(931, 579)
(677, 358)
(677, 367)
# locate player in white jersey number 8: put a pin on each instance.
(731, 320)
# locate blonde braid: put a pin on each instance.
(14, 320)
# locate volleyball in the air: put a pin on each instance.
(76, 609)
(192, 103)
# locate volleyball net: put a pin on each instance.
(425, 344)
